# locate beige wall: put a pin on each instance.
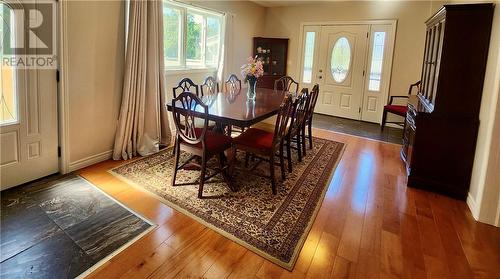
(410, 35)
(95, 49)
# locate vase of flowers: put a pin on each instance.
(251, 71)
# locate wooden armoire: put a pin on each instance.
(443, 118)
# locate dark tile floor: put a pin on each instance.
(357, 128)
(60, 227)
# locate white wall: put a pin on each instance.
(93, 75)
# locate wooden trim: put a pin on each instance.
(90, 160)
(63, 93)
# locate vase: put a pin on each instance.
(252, 82)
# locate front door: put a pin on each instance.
(28, 116)
(342, 59)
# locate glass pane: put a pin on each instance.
(213, 41)
(8, 101)
(308, 57)
(194, 35)
(377, 61)
(341, 59)
(172, 36)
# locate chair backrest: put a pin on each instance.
(313, 98)
(299, 110)
(280, 128)
(286, 83)
(186, 84)
(416, 84)
(210, 86)
(185, 109)
(233, 83)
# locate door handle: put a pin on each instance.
(320, 77)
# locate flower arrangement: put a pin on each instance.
(253, 69)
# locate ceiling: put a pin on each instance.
(281, 3)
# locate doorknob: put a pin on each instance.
(320, 77)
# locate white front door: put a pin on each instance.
(352, 64)
(28, 124)
(342, 58)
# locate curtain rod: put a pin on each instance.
(188, 5)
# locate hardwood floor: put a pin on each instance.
(370, 225)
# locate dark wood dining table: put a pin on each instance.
(234, 108)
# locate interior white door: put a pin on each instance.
(342, 61)
(28, 125)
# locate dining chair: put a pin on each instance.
(197, 140)
(233, 83)
(286, 83)
(295, 130)
(313, 98)
(398, 109)
(209, 87)
(264, 145)
(185, 84)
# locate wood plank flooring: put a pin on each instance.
(370, 225)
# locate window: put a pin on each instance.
(377, 61)
(192, 37)
(8, 101)
(341, 59)
(308, 57)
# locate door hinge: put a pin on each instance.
(58, 151)
(57, 75)
(363, 72)
(367, 34)
(359, 110)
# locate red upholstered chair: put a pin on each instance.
(313, 98)
(286, 83)
(186, 84)
(295, 132)
(261, 143)
(209, 87)
(197, 140)
(397, 109)
(232, 84)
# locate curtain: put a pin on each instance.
(143, 123)
(226, 50)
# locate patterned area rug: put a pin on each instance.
(273, 226)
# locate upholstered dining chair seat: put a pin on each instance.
(215, 142)
(399, 110)
(256, 138)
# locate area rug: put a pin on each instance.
(63, 227)
(273, 226)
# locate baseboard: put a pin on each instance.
(473, 207)
(392, 125)
(90, 160)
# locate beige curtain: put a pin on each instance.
(226, 55)
(143, 123)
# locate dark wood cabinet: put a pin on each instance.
(443, 118)
(273, 53)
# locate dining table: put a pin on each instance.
(233, 108)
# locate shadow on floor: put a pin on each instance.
(357, 128)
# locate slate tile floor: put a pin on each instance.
(60, 227)
(357, 128)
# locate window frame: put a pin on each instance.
(183, 61)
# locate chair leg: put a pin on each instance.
(309, 127)
(299, 144)
(282, 162)
(384, 119)
(303, 128)
(289, 154)
(176, 165)
(202, 175)
(273, 180)
(247, 157)
(175, 144)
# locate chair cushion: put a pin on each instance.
(399, 110)
(214, 142)
(255, 138)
